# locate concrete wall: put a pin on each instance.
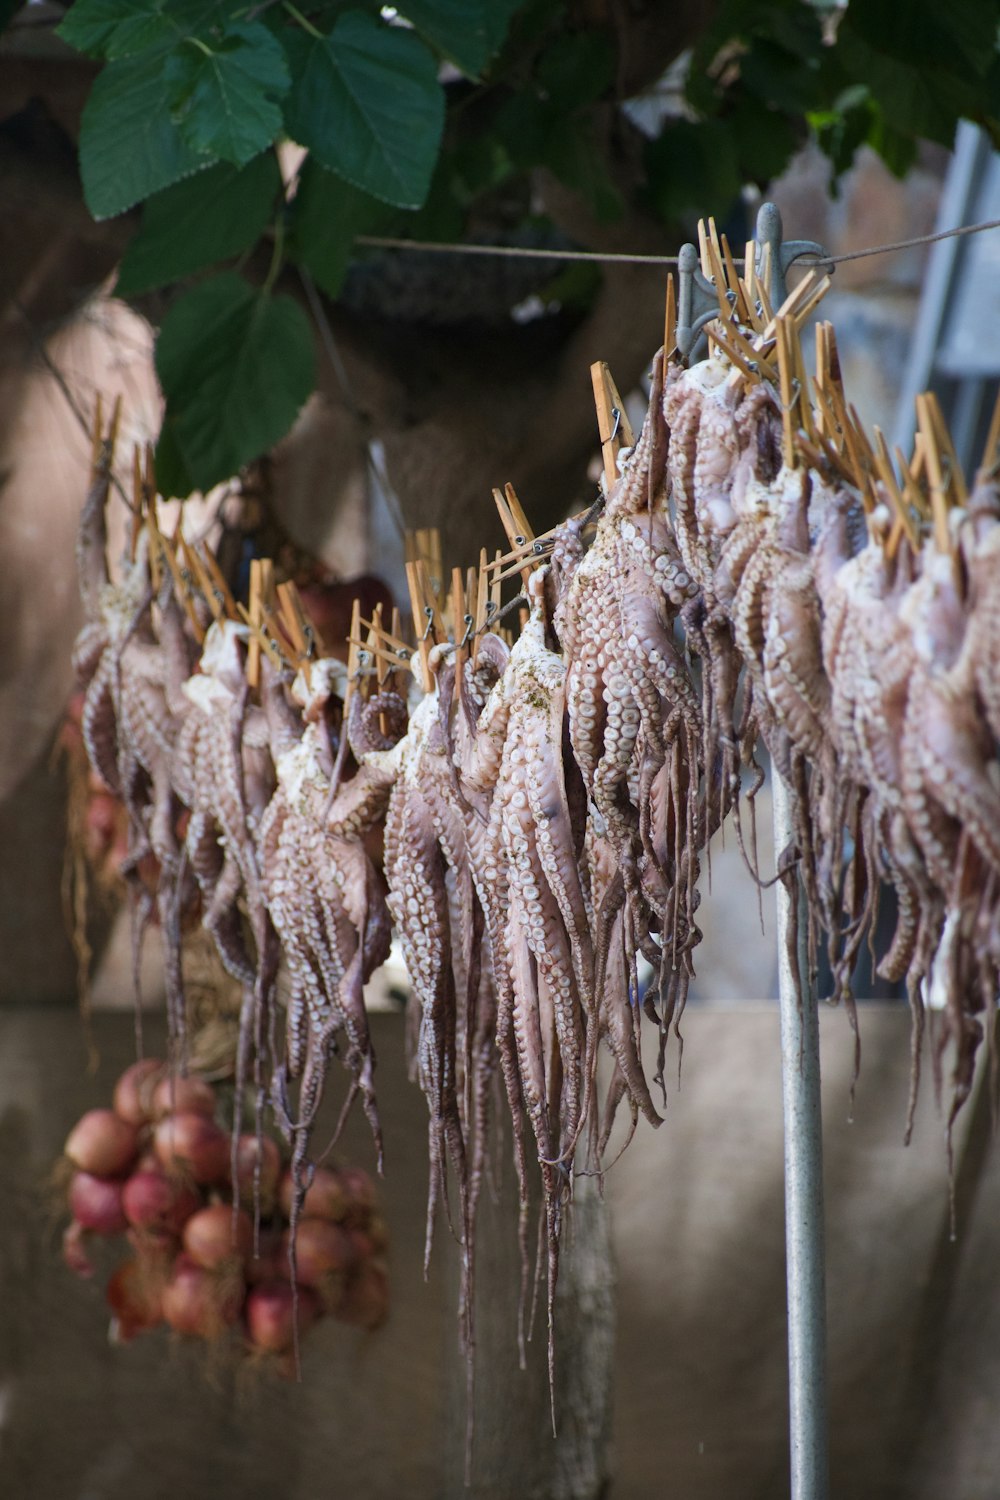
(696, 1213)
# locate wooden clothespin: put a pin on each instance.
(398, 648)
(217, 583)
(157, 544)
(935, 473)
(805, 404)
(199, 576)
(382, 662)
(518, 532)
(670, 319)
(800, 300)
(988, 462)
(732, 352)
(903, 524)
(253, 618)
(264, 636)
(956, 485)
(754, 318)
(807, 301)
(184, 586)
(740, 304)
(102, 448)
(298, 627)
(493, 602)
(788, 397)
(404, 652)
(482, 588)
(424, 617)
(716, 274)
(612, 419)
(860, 455)
(256, 617)
(435, 567)
(135, 520)
(517, 511)
(762, 281)
(426, 549)
(353, 646)
(909, 476)
(96, 438)
(706, 264)
(462, 623)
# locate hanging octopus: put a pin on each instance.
(325, 900)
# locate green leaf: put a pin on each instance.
(692, 167)
(207, 218)
(843, 129)
(129, 146)
(172, 474)
(327, 213)
(89, 24)
(897, 150)
(924, 101)
(778, 78)
(793, 25)
(121, 28)
(960, 35)
(765, 140)
(224, 95)
(460, 29)
(236, 366)
(367, 103)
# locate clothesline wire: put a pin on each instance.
(524, 252)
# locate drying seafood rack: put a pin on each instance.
(169, 725)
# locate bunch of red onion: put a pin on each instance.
(157, 1169)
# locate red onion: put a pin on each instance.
(102, 1143)
(364, 1301)
(210, 1241)
(271, 1261)
(359, 1191)
(152, 1200)
(154, 1244)
(270, 1315)
(323, 1254)
(193, 1144)
(368, 1246)
(198, 1303)
(248, 1151)
(183, 1096)
(325, 1198)
(133, 1092)
(96, 1203)
(135, 1296)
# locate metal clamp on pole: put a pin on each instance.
(697, 303)
(808, 1418)
(783, 252)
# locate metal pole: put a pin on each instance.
(805, 1258)
(804, 1234)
